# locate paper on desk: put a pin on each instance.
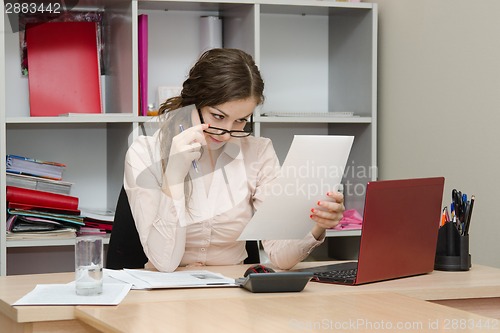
(64, 294)
(314, 165)
(143, 279)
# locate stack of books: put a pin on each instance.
(36, 174)
(39, 204)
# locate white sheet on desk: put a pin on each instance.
(64, 294)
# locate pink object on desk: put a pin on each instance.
(352, 220)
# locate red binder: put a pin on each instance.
(142, 40)
(26, 197)
(64, 72)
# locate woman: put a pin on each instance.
(195, 184)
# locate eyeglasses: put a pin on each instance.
(234, 133)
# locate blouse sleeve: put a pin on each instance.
(156, 215)
(284, 254)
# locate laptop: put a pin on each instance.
(398, 236)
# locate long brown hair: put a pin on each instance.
(220, 75)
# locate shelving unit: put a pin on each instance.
(315, 56)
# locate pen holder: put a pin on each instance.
(452, 251)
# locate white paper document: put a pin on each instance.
(313, 166)
(65, 294)
(144, 279)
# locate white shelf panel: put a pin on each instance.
(97, 118)
(328, 120)
(47, 242)
(310, 7)
(343, 233)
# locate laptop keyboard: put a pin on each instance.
(344, 272)
(344, 276)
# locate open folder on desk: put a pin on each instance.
(144, 279)
(313, 166)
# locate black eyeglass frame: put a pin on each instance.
(223, 131)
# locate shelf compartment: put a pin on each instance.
(169, 66)
(117, 59)
(93, 153)
(324, 59)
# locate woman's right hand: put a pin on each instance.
(186, 148)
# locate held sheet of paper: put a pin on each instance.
(313, 166)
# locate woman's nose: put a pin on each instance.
(225, 137)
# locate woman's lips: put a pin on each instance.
(215, 140)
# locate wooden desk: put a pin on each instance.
(368, 312)
(317, 301)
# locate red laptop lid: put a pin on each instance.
(400, 228)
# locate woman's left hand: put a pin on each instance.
(328, 213)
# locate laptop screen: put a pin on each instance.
(400, 228)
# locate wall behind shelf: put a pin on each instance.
(167, 61)
(16, 91)
(295, 68)
(439, 100)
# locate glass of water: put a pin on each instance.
(88, 265)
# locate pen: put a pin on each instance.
(469, 215)
(454, 199)
(195, 165)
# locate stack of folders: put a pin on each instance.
(34, 214)
(97, 222)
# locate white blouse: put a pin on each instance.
(205, 231)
